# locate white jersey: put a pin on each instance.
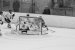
(8, 15)
(1, 18)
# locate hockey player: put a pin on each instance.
(8, 21)
(42, 22)
(1, 18)
(9, 16)
(39, 20)
(28, 18)
(1, 21)
(25, 27)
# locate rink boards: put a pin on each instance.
(52, 20)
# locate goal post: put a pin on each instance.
(30, 24)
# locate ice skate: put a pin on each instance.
(9, 26)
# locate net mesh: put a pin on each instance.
(31, 25)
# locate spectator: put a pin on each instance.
(46, 11)
(16, 5)
(28, 15)
(61, 4)
(52, 3)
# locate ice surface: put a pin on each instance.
(61, 39)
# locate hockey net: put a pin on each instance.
(30, 25)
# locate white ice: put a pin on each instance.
(61, 39)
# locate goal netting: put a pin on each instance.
(30, 25)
